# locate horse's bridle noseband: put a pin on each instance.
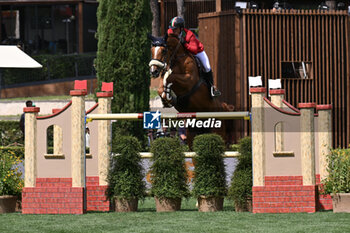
(157, 62)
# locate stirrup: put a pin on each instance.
(214, 92)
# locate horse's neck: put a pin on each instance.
(178, 54)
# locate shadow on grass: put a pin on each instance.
(187, 205)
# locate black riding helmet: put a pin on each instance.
(177, 22)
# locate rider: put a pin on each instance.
(194, 46)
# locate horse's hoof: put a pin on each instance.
(166, 104)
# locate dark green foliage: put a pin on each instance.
(338, 179)
(54, 67)
(209, 171)
(122, 58)
(245, 149)
(126, 173)
(242, 179)
(10, 133)
(241, 187)
(169, 174)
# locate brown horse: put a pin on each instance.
(181, 85)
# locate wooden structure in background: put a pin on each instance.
(260, 42)
(193, 9)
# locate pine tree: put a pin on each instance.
(122, 57)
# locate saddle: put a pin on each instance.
(200, 67)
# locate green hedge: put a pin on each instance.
(10, 133)
(54, 67)
(338, 179)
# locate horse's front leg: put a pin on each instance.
(167, 94)
(166, 104)
(164, 90)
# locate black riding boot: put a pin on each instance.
(209, 78)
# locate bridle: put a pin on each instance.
(159, 63)
(162, 63)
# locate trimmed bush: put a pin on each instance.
(126, 173)
(242, 180)
(169, 176)
(209, 171)
(245, 149)
(338, 179)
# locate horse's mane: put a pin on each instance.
(172, 40)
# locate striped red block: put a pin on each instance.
(53, 196)
(283, 180)
(284, 194)
(96, 198)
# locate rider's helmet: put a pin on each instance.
(177, 22)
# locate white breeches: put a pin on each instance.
(204, 60)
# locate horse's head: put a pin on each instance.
(158, 55)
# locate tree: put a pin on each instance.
(122, 58)
(156, 18)
(180, 8)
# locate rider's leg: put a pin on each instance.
(208, 75)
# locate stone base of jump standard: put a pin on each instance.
(210, 204)
(167, 204)
(8, 204)
(125, 205)
(341, 203)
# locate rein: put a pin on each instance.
(179, 101)
(174, 54)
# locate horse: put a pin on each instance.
(181, 85)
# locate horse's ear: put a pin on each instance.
(149, 35)
(165, 38)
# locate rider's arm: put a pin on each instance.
(192, 45)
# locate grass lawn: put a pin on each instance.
(186, 220)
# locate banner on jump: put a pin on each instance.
(152, 120)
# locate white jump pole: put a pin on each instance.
(197, 115)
